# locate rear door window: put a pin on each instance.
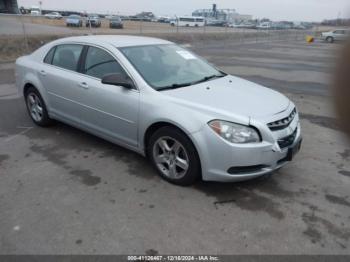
(67, 56)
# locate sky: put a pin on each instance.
(293, 10)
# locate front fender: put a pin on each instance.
(152, 112)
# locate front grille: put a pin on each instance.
(288, 140)
(282, 123)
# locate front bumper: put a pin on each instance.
(226, 162)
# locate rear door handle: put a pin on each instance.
(84, 85)
(42, 72)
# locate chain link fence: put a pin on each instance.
(21, 34)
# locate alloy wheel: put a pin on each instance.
(35, 107)
(170, 157)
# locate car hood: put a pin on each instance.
(231, 96)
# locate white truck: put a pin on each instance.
(35, 11)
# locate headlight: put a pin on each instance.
(235, 133)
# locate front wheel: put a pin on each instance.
(174, 156)
(330, 39)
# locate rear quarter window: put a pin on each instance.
(49, 56)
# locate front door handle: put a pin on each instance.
(84, 85)
(42, 72)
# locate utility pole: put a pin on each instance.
(40, 5)
(339, 18)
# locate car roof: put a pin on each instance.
(115, 40)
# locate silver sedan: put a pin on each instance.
(158, 99)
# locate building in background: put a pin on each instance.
(9, 6)
(224, 15)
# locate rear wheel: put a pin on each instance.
(174, 156)
(36, 108)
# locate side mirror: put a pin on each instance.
(117, 80)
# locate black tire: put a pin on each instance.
(193, 172)
(330, 39)
(45, 119)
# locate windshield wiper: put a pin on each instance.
(174, 86)
(207, 78)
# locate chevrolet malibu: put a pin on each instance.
(160, 100)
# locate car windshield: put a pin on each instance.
(169, 66)
(115, 19)
(74, 16)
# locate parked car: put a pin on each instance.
(280, 26)
(299, 27)
(163, 19)
(53, 15)
(94, 20)
(243, 25)
(248, 25)
(264, 26)
(160, 100)
(302, 25)
(74, 20)
(234, 25)
(218, 23)
(336, 35)
(116, 22)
